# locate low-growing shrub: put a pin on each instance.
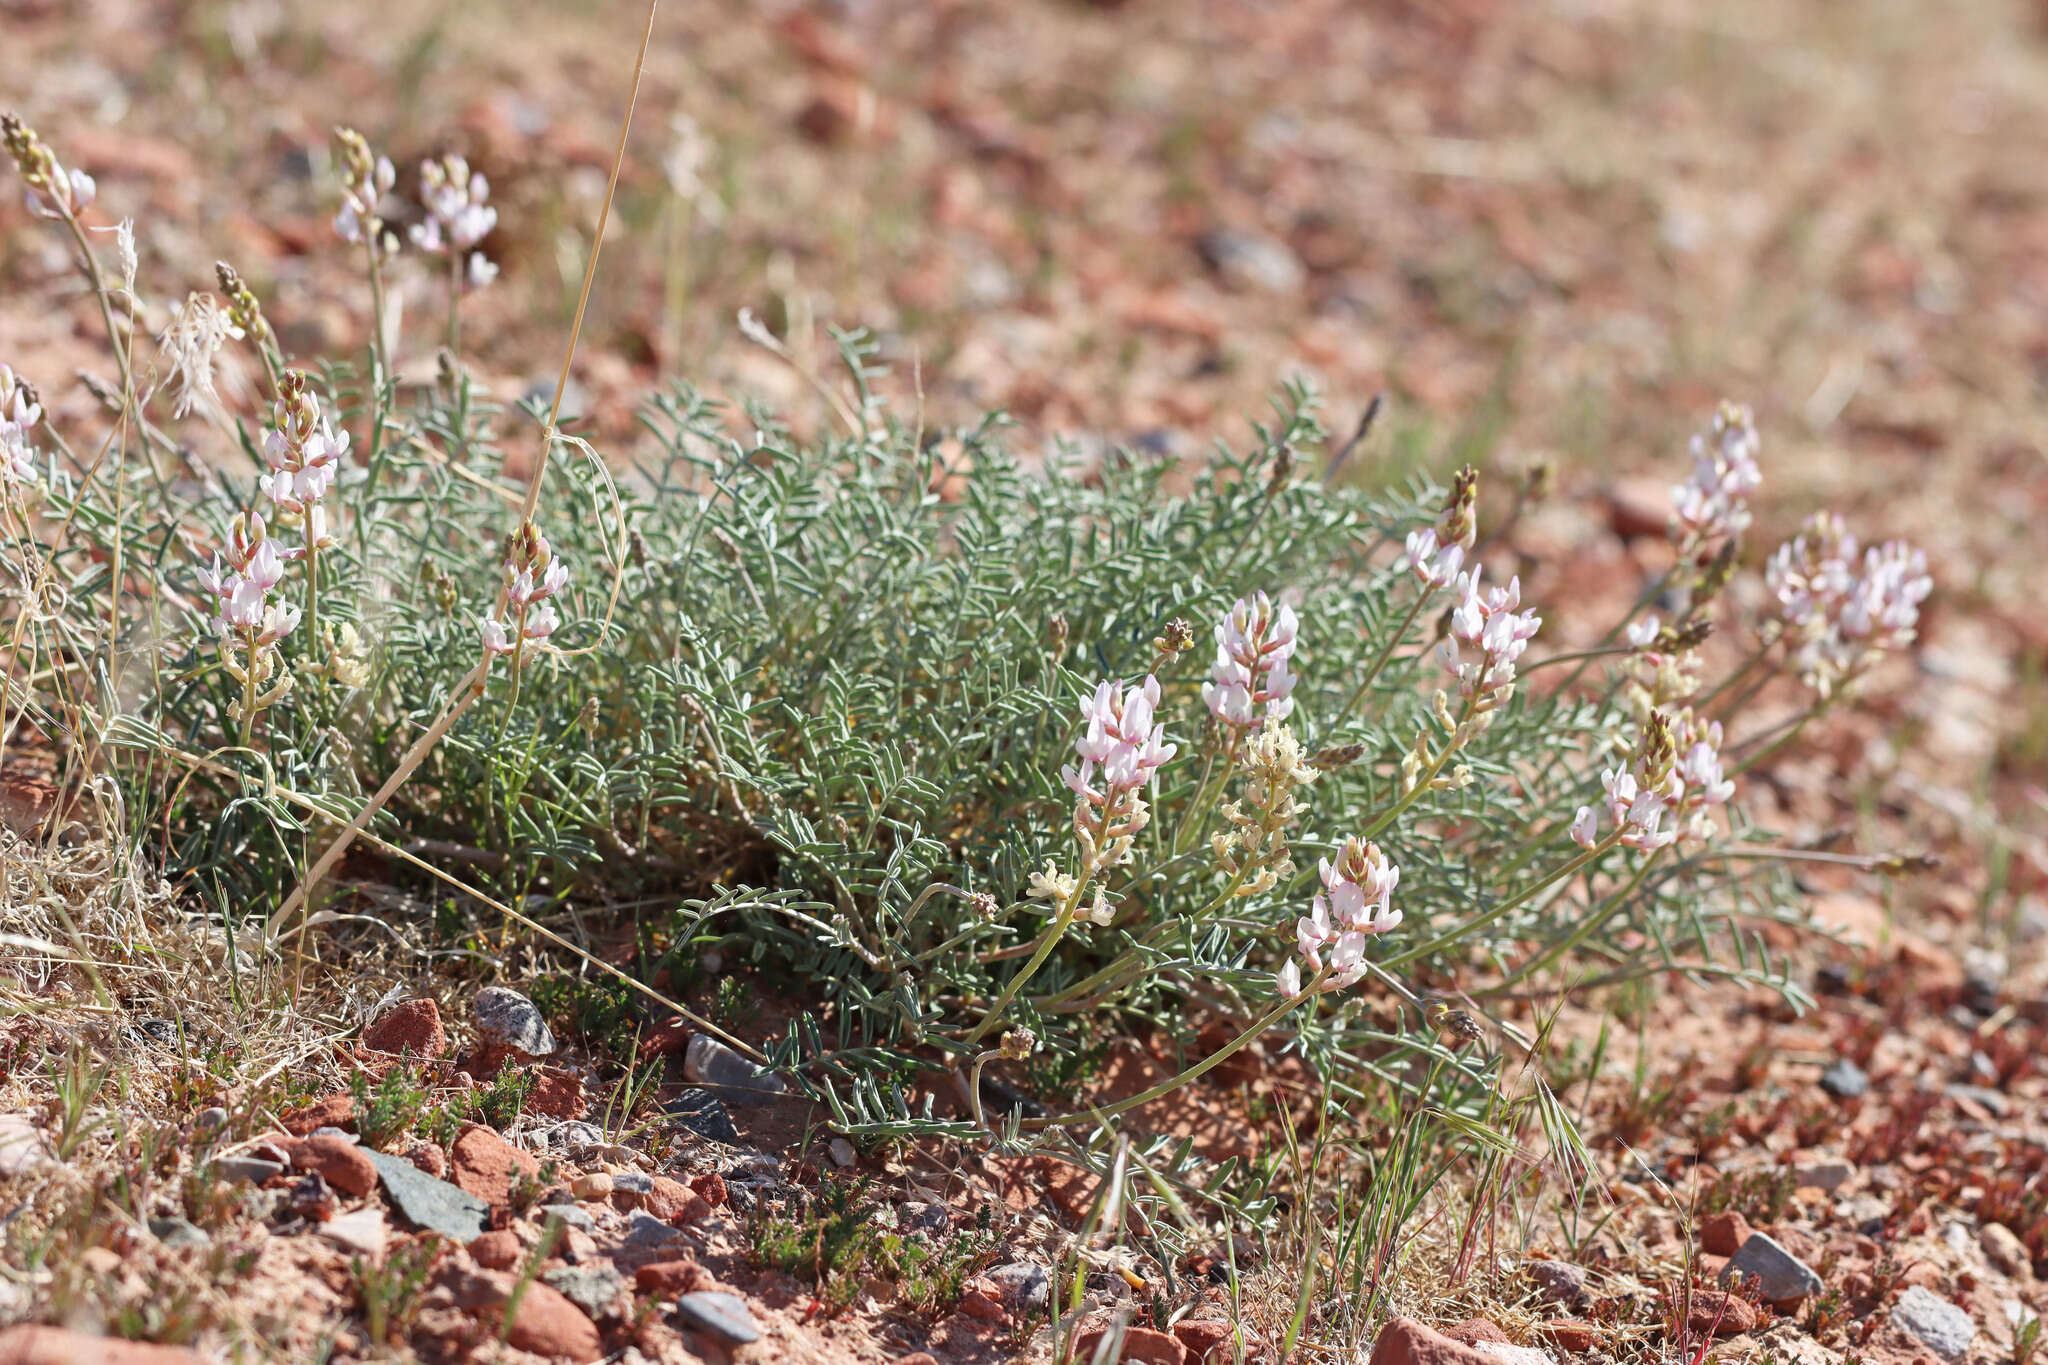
(974, 751)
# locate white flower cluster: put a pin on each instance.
(1713, 505)
(1845, 610)
(1684, 788)
(19, 411)
(1254, 643)
(1120, 747)
(533, 576)
(365, 180)
(241, 584)
(1355, 903)
(304, 453)
(1490, 621)
(458, 215)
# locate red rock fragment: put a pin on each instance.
(1571, 1335)
(711, 1187)
(1140, 1344)
(340, 1162)
(558, 1094)
(1474, 1330)
(411, 1026)
(495, 1250)
(1199, 1338)
(1404, 1341)
(335, 1111)
(54, 1346)
(1723, 1233)
(666, 1279)
(487, 1166)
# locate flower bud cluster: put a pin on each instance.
(1845, 612)
(53, 192)
(1120, 748)
(1713, 505)
(1252, 849)
(533, 577)
(1355, 903)
(458, 215)
(1437, 553)
(365, 180)
(1254, 643)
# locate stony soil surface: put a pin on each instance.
(1548, 232)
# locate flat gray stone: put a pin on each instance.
(1938, 1324)
(1022, 1284)
(1781, 1275)
(704, 1114)
(644, 1230)
(432, 1204)
(508, 1019)
(574, 1215)
(1828, 1176)
(177, 1232)
(633, 1182)
(594, 1286)
(254, 1170)
(711, 1063)
(1845, 1080)
(723, 1315)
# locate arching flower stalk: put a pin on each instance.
(246, 622)
(458, 217)
(365, 179)
(1121, 748)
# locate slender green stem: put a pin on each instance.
(1199, 1069)
(1394, 640)
(1585, 930)
(312, 591)
(101, 294)
(1480, 921)
(248, 687)
(454, 301)
(1046, 943)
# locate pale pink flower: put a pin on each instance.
(1433, 565)
(1713, 505)
(1255, 642)
(1490, 620)
(1845, 611)
(1120, 737)
(67, 194)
